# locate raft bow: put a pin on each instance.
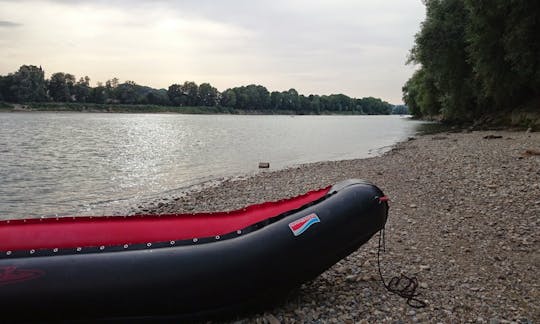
(181, 264)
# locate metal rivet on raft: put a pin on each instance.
(102, 247)
(149, 244)
(173, 242)
(217, 237)
(32, 251)
(195, 240)
(239, 232)
(55, 250)
(8, 253)
(125, 246)
(79, 249)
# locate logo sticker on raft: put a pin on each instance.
(11, 275)
(299, 226)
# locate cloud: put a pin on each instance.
(8, 24)
(358, 47)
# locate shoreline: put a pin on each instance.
(155, 109)
(464, 219)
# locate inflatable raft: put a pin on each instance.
(176, 265)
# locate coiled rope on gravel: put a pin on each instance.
(403, 285)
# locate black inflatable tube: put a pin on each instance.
(204, 277)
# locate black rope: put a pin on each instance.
(402, 286)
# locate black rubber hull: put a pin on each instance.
(200, 277)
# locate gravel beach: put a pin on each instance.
(464, 219)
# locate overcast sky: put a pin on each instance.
(355, 47)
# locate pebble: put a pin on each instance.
(272, 319)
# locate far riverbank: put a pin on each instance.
(463, 219)
(125, 108)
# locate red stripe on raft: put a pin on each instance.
(116, 230)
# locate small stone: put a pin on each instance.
(272, 319)
(350, 278)
(413, 206)
(424, 285)
(425, 267)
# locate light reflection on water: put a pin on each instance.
(72, 163)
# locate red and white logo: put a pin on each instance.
(299, 226)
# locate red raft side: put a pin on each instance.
(72, 232)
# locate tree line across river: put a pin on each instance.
(29, 84)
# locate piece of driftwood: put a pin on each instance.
(492, 136)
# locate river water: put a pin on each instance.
(75, 163)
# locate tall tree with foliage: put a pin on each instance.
(60, 86)
(81, 90)
(26, 85)
(440, 48)
(208, 95)
(504, 48)
(476, 57)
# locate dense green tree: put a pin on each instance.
(475, 57)
(190, 92)
(175, 94)
(126, 93)
(111, 86)
(251, 97)
(61, 87)
(374, 106)
(440, 47)
(98, 94)
(157, 97)
(315, 104)
(504, 48)
(228, 98)
(276, 100)
(291, 100)
(58, 87)
(208, 95)
(4, 89)
(82, 90)
(400, 110)
(421, 95)
(26, 85)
